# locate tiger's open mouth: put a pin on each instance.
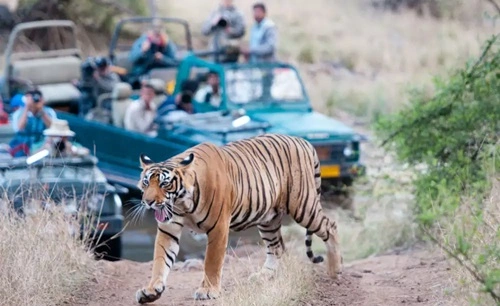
(163, 215)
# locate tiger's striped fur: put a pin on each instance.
(251, 182)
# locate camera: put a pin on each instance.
(186, 97)
(156, 48)
(36, 97)
(222, 23)
(90, 65)
(60, 146)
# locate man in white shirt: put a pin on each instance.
(210, 93)
(140, 114)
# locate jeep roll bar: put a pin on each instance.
(118, 28)
(18, 29)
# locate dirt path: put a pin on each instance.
(414, 277)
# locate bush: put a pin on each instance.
(455, 136)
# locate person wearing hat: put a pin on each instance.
(29, 122)
(57, 141)
(152, 49)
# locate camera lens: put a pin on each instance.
(222, 23)
(36, 98)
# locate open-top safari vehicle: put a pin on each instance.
(52, 68)
(74, 182)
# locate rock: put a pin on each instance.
(193, 264)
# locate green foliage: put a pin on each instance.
(455, 136)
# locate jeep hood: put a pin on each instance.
(301, 124)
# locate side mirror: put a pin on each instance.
(37, 157)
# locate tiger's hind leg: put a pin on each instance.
(271, 234)
(317, 223)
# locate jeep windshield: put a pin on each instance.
(263, 84)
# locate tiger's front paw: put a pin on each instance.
(150, 293)
(206, 293)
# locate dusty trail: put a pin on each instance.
(414, 277)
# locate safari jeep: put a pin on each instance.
(264, 98)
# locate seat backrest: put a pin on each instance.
(48, 70)
(120, 102)
(165, 74)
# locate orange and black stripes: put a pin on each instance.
(251, 182)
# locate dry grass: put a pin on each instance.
(41, 262)
(358, 59)
(293, 282)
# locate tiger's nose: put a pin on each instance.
(149, 204)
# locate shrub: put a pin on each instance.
(455, 135)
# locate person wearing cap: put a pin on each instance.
(210, 93)
(58, 141)
(226, 24)
(152, 49)
(29, 121)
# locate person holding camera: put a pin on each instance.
(58, 141)
(263, 37)
(29, 122)
(152, 50)
(226, 24)
(181, 101)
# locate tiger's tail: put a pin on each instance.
(309, 252)
(317, 181)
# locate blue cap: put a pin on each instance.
(17, 100)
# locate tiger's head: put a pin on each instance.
(162, 184)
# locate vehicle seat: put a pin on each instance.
(120, 102)
(53, 76)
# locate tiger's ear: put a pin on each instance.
(145, 161)
(188, 160)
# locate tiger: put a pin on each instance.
(218, 189)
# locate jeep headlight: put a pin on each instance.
(348, 150)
